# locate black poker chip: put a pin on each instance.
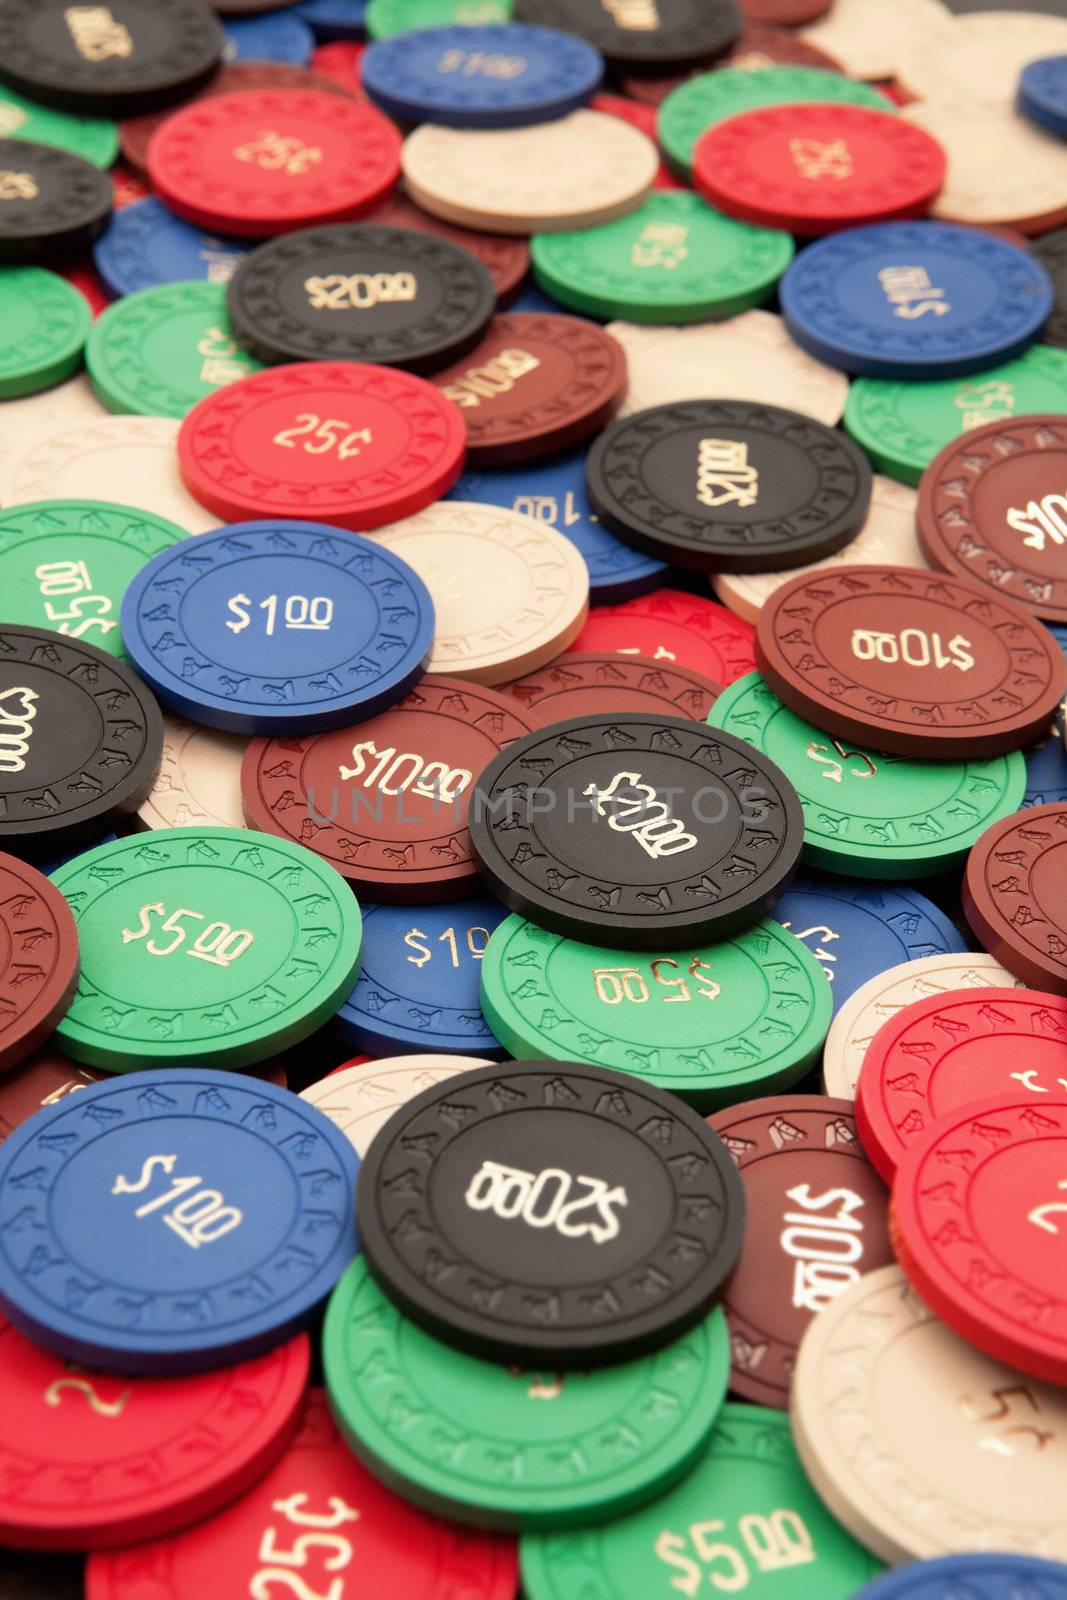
(81, 740)
(1051, 251)
(648, 36)
(729, 486)
(26, 1575)
(636, 831)
(548, 1211)
(114, 60)
(51, 203)
(357, 292)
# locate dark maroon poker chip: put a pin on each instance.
(591, 685)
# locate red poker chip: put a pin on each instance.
(38, 959)
(341, 60)
(977, 1223)
(353, 1538)
(813, 169)
(534, 385)
(266, 161)
(672, 628)
(951, 1050)
(91, 1460)
(326, 441)
(386, 801)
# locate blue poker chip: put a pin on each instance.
(921, 300)
(504, 76)
(277, 36)
(278, 627)
(330, 20)
(48, 867)
(553, 491)
(972, 1577)
(1042, 94)
(540, 304)
(418, 986)
(146, 245)
(857, 932)
(173, 1221)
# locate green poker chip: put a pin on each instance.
(714, 1024)
(95, 139)
(746, 1513)
(869, 815)
(44, 322)
(213, 947)
(902, 426)
(161, 350)
(65, 564)
(697, 105)
(512, 1447)
(675, 259)
(384, 18)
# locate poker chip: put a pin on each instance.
(398, 827)
(915, 300)
(671, 627)
(135, 133)
(888, 537)
(672, 31)
(669, 1400)
(991, 506)
(79, 1451)
(220, 635)
(885, 653)
(728, 485)
(816, 1223)
(749, 1471)
(947, 1491)
(594, 850)
(39, 965)
(199, 782)
(698, 103)
(1003, 171)
(82, 737)
(418, 981)
(639, 116)
(507, 260)
(887, 995)
(706, 1022)
(1013, 895)
(787, 13)
(276, 1160)
(886, 817)
(145, 246)
(947, 1052)
(974, 1222)
(902, 426)
(160, 351)
(867, 41)
(355, 292)
(55, 203)
(94, 139)
(508, 593)
(975, 59)
(349, 443)
(1046, 767)
(385, 18)
(65, 565)
(528, 1135)
(534, 385)
(280, 36)
(41, 1080)
(1042, 92)
(333, 20)
(673, 260)
(360, 1522)
(855, 933)
(759, 46)
(581, 170)
(985, 1577)
(816, 168)
(78, 456)
(553, 492)
(1051, 251)
(131, 56)
(588, 685)
(266, 161)
(43, 326)
(145, 908)
(750, 357)
(498, 76)
(360, 1096)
